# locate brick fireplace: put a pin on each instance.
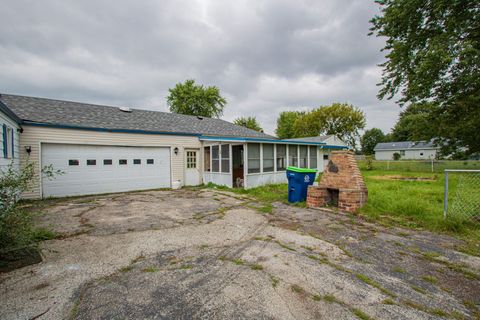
(341, 185)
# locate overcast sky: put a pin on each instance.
(265, 56)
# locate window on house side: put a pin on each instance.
(303, 156)
(253, 158)
(107, 162)
(215, 159)
(313, 157)
(137, 161)
(268, 158)
(91, 162)
(292, 155)
(191, 159)
(150, 161)
(122, 161)
(73, 162)
(225, 154)
(281, 157)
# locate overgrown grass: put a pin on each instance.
(412, 204)
(416, 204)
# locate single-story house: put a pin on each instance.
(330, 142)
(103, 149)
(408, 150)
(9, 141)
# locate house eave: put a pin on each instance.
(99, 129)
(257, 140)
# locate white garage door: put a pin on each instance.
(101, 169)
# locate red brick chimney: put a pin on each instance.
(341, 184)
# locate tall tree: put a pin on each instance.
(197, 100)
(370, 139)
(416, 122)
(433, 55)
(285, 122)
(248, 122)
(341, 119)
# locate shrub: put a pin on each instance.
(396, 156)
(15, 222)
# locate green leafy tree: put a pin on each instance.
(285, 123)
(433, 55)
(341, 119)
(417, 122)
(370, 139)
(197, 100)
(248, 122)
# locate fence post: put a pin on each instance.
(445, 197)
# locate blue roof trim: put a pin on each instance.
(62, 126)
(334, 147)
(245, 139)
(9, 113)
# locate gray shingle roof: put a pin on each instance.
(404, 145)
(75, 114)
(310, 139)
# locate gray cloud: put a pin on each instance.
(265, 56)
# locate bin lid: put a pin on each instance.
(303, 170)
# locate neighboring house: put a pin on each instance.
(9, 140)
(408, 150)
(330, 142)
(105, 149)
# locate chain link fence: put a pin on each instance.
(432, 166)
(462, 195)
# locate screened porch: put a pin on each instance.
(252, 164)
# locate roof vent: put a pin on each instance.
(199, 117)
(125, 109)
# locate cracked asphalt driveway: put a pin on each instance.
(210, 254)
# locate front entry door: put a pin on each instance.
(192, 168)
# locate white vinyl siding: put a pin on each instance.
(13, 146)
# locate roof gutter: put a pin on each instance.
(334, 147)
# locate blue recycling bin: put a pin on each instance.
(298, 181)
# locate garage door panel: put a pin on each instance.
(101, 178)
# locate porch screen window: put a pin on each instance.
(215, 159)
(206, 159)
(253, 157)
(313, 157)
(225, 158)
(292, 155)
(303, 156)
(281, 157)
(268, 158)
